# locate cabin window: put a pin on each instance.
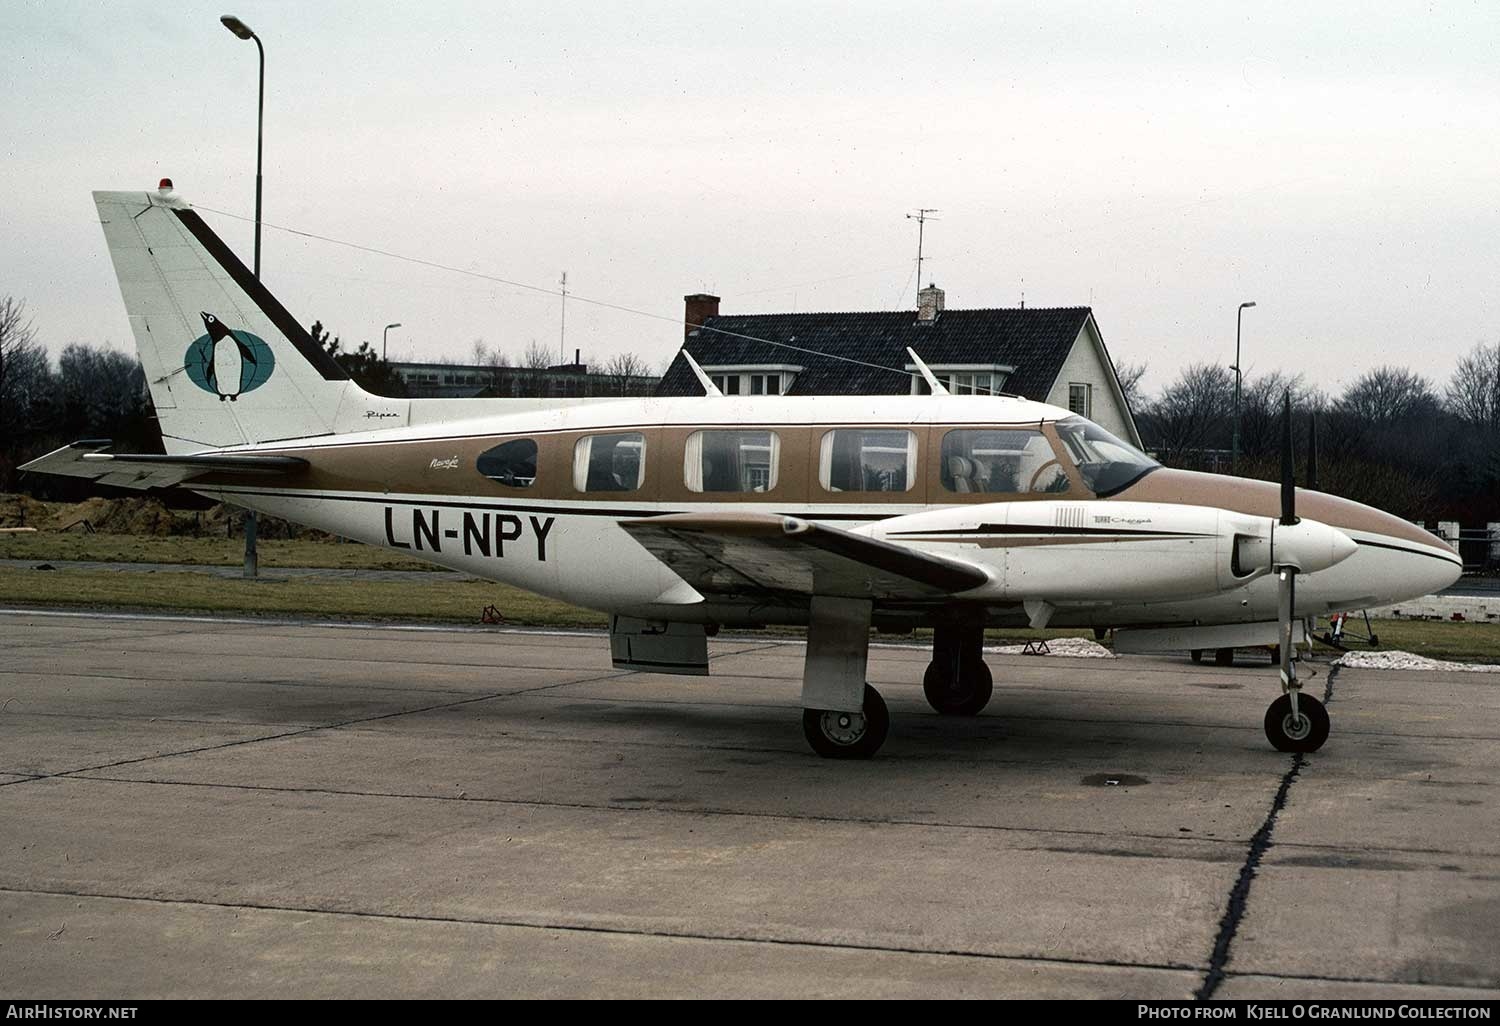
(609, 463)
(1000, 460)
(868, 460)
(731, 461)
(512, 463)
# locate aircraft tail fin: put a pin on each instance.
(226, 363)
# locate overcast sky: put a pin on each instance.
(1337, 163)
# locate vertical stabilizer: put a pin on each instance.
(225, 362)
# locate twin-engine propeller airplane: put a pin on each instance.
(677, 516)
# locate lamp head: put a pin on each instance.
(236, 26)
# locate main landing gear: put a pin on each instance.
(842, 716)
(848, 735)
(957, 682)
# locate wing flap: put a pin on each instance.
(87, 459)
(737, 553)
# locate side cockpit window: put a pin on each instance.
(609, 463)
(868, 460)
(1000, 461)
(512, 463)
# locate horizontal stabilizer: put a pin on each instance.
(87, 459)
(743, 553)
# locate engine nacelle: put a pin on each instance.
(1083, 552)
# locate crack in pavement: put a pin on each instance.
(1260, 843)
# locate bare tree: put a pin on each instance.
(100, 388)
(1260, 411)
(1474, 393)
(1130, 375)
(26, 391)
(534, 364)
(1192, 413)
(1387, 394)
(622, 374)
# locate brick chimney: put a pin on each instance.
(699, 307)
(929, 303)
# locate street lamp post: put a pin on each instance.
(384, 337)
(239, 28)
(1234, 453)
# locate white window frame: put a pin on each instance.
(1086, 389)
(959, 376)
(741, 379)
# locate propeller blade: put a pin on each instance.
(1288, 464)
(1312, 451)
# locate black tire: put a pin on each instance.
(1223, 657)
(1374, 641)
(836, 735)
(966, 696)
(1196, 655)
(1285, 736)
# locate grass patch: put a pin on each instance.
(202, 551)
(455, 602)
(1435, 639)
(460, 601)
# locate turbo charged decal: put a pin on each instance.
(472, 533)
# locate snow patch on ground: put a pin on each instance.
(1072, 648)
(1407, 661)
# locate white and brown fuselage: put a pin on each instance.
(1159, 551)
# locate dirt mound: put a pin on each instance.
(145, 515)
(24, 511)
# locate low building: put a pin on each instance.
(1055, 356)
(467, 381)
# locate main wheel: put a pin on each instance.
(845, 735)
(1304, 733)
(964, 694)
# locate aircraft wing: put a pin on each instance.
(87, 459)
(736, 553)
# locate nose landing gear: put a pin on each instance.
(1300, 729)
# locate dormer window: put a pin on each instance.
(963, 378)
(752, 379)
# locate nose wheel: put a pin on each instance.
(848, 735)
(1301, 730)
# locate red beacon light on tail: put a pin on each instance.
(165, 186)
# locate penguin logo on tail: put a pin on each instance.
(227, 362)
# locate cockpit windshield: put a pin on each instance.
(1106, 464)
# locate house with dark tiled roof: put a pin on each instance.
(1055, 356)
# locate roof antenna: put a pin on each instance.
(709, 388)
(932, 381)
(922, 216)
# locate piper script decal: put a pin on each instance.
(475, 534)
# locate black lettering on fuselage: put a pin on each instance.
(476, 534)
(507, 528)
(542, 530)
(390, 534)
(420, 529)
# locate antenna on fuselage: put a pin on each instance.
(932, 381)
(709, 388)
